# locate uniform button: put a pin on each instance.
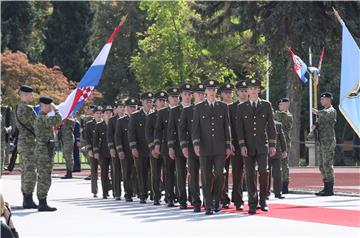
(212, 135)
(254, 128)
(213, 129)
(254, 117)
(254, 123)
(212, 117)
(254, 134)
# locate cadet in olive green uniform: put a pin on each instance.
(212, 143)
(25, 118)
(102, 151)
(155, 159)
(66, 137)
(119, 111)
(286, 119)
(226, 92)
(139, 146)
(161, 145)
(185, 129)
(326, 142)
(44, 149)
(255, 123)
(89, 136)
(237, 160)
(5, 131)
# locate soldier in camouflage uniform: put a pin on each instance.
(326, 142)
(25, 118)
(285, 118)
(44, 150)
(66, 138)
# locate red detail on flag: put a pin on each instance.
(117, 29)
(321, 59)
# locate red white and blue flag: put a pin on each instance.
(90, 80)
(300, 67)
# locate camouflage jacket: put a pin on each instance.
(25, 119)
(326, 124)
(286, 119)
(44, 126)
(66, 132)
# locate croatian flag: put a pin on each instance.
(300, 67)
(90, 80)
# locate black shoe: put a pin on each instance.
(197, 209)
(128, 200)
(239, 207)
(285, 187)
(252, 210)
(88, 177)
(117, 198)
(171, 204)
(226, 206)
(322, 191)
(209, 212)
(217, 206)
(264, 207)
(105, 197)
(183, 206)
(95, 195)
(28, 202)
(329, 191)
(44, 207)
(76, 170)
(68, 175)
(279, 196)
(156, 202)
(142, 201)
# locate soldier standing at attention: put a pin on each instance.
(5, 132)
(237, 162)
(66, 137)
(285, 118)
(161, 145)
(123, 147)
(25, 119)
(255, 123)
(139, 146)
(326, 142)
(155, 159)
(44, 150)
(119, 111)
(226, 92)
(89, 136)
(102, 151)
(185, 128)
(212, 143)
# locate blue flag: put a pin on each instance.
(350, 80)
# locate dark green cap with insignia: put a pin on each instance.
(173, 92)
(199, 87)
(226, 87)
(99, 108)
(284, 100)
(131, 102)
(147, 96)
(186, 87)
(241, 84)
(26, 89)
(211, 83)
(327, 95)
(45, 100)
(108, 108)
(161, 95)
(254, 83)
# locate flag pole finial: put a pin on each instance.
(336, 13)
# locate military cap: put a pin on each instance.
(108, 108)
(147, 96)
(26, 88)
(211, 83)
(161, 95)
(241, 84)
(185, 87)
(46, 100)
(119, 103)
(99, 108)
(225, 87)
(327, 95)
(199, 87)
(284, 100)
(254, 83)
(131, 102)
(173, 91)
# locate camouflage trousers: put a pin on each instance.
(67, 149)
(285, 166)
(44, 165)
(325, 152)
(28, 170)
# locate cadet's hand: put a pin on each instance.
(135, 153)
(197, 150)
(121, 155)
(154, 154)
(157, 149)
(272, 151)
(172, 153)
(244, 151)
(313, 127)
(97, 156)
(228, 153)
(314, 111)
(78, 145)
(232, 149)
(284, 154)
(90, 153)
(185, 152)
(112, 153)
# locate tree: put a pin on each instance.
(67, 35)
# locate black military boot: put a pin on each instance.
(285, 187)
(44, 207)
(28, 202)
(68, 175)
(329, 191)
(322, 191)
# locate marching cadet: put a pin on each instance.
(285, 118)
(161, 145)
(89, 136)
(326, 142)
(185, 128)
(102, 151)
(281, 153)
(255, 123)
(212, 143)
(123, 147)
(237, 162)
(155, 159)
(25, 119)
(44, 149)
(226, 92)
(119, 111)
(66, 138)
(139, 146)
(174, 143)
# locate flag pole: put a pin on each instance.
(310, 93)
(267, 78)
